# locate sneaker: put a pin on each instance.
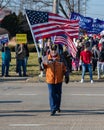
(82, 80)
(41, 75)
(92, 81)
(58, 110)
(98, 78)
(53, 113)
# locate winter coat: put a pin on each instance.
(6, 54)
(55, 70)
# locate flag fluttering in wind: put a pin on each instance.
(92, 26)
(67, 41)
(45, 24)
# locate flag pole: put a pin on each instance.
(33, 36)
(56, 11)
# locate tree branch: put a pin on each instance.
(62, 10)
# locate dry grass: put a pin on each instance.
(32, 67)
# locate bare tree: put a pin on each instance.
(65, 6)
(3, 3)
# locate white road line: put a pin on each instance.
(25, 125)
(19, 94)
(87, 94)
(34, 94)
(27, 94)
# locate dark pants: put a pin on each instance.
(17, 70)
(21, 67)
(94, 64)
(5, 68)
(55, 91)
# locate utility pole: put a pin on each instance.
(78, 6)
(56, 11)
(85, 7)
(56, 6)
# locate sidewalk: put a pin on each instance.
(36, 79)
(14, 78)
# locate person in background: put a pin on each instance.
(60, 49)
(47, 46)
(41, 50)
(100, 62)
(101, 41)
(95, 55)
(6, 59)
(16, 51)
(46, 50)
(86, 62)
(21, 53)
(26, 56)
(55, 71)
(67, 59)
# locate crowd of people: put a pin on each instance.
(21, 55)
(89, 56)
(57, 63)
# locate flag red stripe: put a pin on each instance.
(73, 32)
(49, 27)
(67, 42)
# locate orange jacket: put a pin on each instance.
(55, 70)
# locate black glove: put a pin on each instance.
(66, 79)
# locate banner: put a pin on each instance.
(4, 38)
(84, 22)
(21, 38)
(92, 26)
(97, 26)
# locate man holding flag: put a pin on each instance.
(45, 25)
(55, 71)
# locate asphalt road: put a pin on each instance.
(25, 106)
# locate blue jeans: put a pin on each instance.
(84, 67)
(55, 91)
(26, 60)
(21, 67)
(100, 68)
(5, 67)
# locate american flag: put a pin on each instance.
(45, 24)
(67, 41)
